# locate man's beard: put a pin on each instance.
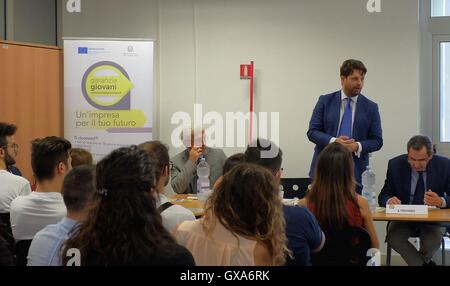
(9, 160)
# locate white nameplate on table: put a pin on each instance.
(407, 209)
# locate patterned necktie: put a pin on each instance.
(346, 123)
(420, 190)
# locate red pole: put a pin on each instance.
(251, 102)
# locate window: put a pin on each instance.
(440, 8)
(444, 90)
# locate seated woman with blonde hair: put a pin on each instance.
(333, 199)
(243, 223)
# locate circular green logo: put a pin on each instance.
(106, 85)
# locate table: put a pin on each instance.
(434, 215)
(190, 202)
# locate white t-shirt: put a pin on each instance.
(30, 214)
(11, 186)
(174, 215)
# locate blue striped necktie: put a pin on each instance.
(346, 123)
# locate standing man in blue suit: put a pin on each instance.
(349, 118)
(418, 178)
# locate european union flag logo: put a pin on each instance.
(82, 50)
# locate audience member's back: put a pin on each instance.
(304, 234)
(302, 229)
(123, 226)
(77, 190)
(11, 186)
(243, 223)
(333, 199)
(50, 162)
(172, 215)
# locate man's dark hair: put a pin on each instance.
(253, 154)
(232, 161)
(418, 142)
(349, 66)
(159, 152)
(79, 187)
(6, 129)
(46, 154)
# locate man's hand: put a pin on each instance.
(344, 140)
(195, 153)
(432, 199)
(394, 201)
(348, 143)
(352, 147)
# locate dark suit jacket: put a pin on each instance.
(324, 125)
(398, 179)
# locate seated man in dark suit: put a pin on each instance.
(418, 178)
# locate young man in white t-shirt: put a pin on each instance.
(50, 161)
(78, 192)
(172, 215)
(11, 186)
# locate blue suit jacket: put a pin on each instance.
(324, 125)
(398, 179)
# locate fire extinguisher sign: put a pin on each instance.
(246, 71)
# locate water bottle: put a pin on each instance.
(368, 191)
(203, 189)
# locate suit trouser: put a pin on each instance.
(430, 236)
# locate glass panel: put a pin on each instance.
(440, 8)
(444, 88)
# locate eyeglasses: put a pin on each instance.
(15, 146)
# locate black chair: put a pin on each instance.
(346, 247)
(295, 187)
(415, 235)
(22, 247)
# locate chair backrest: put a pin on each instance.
(22, 247)
(295, 187)
(346, 247)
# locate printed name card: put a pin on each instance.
(407, 209)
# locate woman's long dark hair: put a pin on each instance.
(333, 187)
(123, 221)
